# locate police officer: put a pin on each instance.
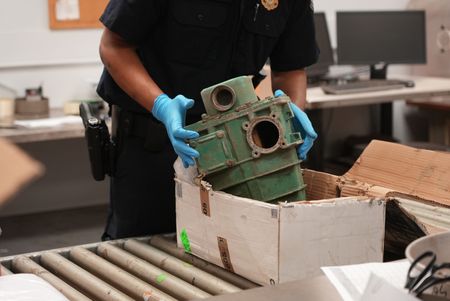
(158, 56)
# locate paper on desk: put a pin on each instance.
(379, 289)
(49, 122)
(351, 280)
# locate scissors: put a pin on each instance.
(429, 276)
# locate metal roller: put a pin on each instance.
(187, 272)
(24, 264)
(170, 247)
(157, 277)
(4, 271)
(90, 284)
(119, 278)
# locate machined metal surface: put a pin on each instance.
(4, 271)
(87, 282)
(24, 264)
(165, 244)
(187, 272)
(156, 276)
(116, 276)
(128, 269)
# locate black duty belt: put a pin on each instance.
(144, 126)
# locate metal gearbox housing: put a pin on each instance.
(248, 146)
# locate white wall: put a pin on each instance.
(64, 61)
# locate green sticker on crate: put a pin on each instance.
(185, 241)
(161, 278)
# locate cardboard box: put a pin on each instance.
(419, 180)
(270, 243)
(348, 220)
(16, 170)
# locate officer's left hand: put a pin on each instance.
(304, 126)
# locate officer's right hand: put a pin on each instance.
(172, 113)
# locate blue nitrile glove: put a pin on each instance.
(172, 113)
(303, 125)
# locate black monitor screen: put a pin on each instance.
(393, 37)
(323, 42)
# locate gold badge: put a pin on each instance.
(270, 4)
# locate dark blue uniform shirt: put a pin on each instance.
(188, 45)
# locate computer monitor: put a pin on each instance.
(388, 37)
(326, 58)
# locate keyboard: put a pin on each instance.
(366, 86)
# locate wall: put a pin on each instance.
(65, 62)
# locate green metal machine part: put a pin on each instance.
(248, 146)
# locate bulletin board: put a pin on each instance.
(75, 14)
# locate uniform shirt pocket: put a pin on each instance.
(261, 30)
(200, 13)
(194, 29)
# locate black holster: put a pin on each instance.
(101, 147)
(104, 148)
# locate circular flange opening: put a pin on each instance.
(264, 135)
(223, 98)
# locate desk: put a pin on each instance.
(425, 88)
(438, 110)
(317, 289)
(24, 135)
